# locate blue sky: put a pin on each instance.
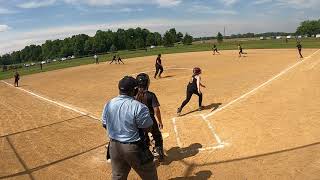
(25, 22)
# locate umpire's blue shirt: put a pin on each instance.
(123, 116)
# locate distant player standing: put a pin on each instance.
(151, 101)
(96, 58)
(215, 49)
(299, 46)
(159, 67)
(16, 79)
(194, 87)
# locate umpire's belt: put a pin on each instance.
(136, 142)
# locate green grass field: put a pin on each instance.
(196, 46)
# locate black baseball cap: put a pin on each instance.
(127, 84)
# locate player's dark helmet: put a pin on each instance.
(196, 71)
(143, 80)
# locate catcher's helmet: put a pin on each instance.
(143, 80)
(196, 71)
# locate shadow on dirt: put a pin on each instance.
(213, 107)
(177, 154)
(168, 76)
(201, 175)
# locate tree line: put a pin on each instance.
(309, 28)
(101, 42)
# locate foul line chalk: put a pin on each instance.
(54, 102)
(210, 148)
(262, 85)
(220, 144)
(212, 130)
(176, 132)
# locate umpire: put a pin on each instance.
(126, 120)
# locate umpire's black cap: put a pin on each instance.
(127, 84)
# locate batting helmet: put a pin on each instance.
(196, 71)
(143, 80)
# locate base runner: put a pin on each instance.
(215, 49)
(194, 87)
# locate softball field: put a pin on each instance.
(261, 118)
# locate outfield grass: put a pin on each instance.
(197, 46)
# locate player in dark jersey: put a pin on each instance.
(114, 59)
(120, 60)
(150, 100)
(240, 50)
(16, 79)
(299, 46)
(159, 67)
(215, 49)
(194, 87)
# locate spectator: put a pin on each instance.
(126, 121)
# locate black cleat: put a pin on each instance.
(179, 112)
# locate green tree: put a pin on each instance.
(173, 33)
(168, 39)
(120, 39)
(113, 48)
(66, 48)
(187, 40)
(15, 57)
(88, 46)
(150, 39)
(79, 43)
(179, 37)
(309, 28)
(102, 41)
(219, 37)
(158, 39)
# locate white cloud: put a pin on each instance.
(201, 9)
(261, 2)
(4, 27)
(6, 11)
(128, 10)
(229, 2)
(168, 3)
(162, 3)
(44, 3)
(299, 4)
(36, 4)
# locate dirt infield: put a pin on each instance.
(256, 125)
